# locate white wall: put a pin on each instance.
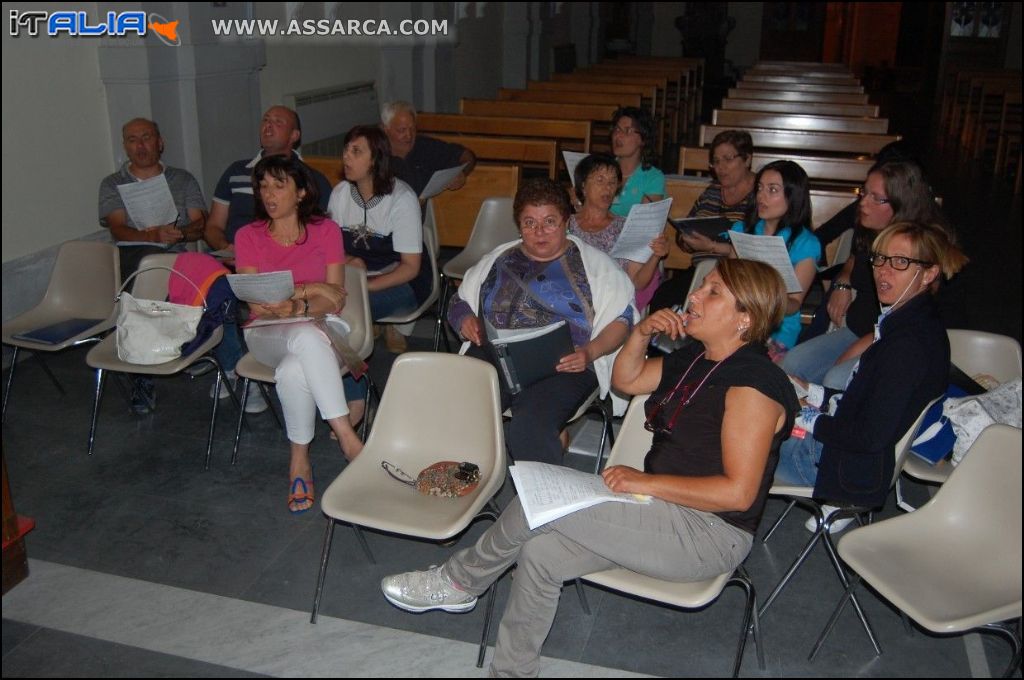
(56, 142)
(478, 55)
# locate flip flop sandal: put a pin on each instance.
(300, 493)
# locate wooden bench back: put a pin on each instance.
(793, 96)
(794, 121)
(820, 169)
(800, 87)
(328, 166)
(829, 79)
(565, 97)
(566, 110)
(810, 108)
(648, 93)
(806, 141)
(571, 134)
(534, 152)
(455, 211)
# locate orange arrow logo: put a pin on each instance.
(168, 30)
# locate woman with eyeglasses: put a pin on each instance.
(633, 145)
(597, 180)
(730, 195)
(893, 192)
(718, 409)
(542, 279)
(846, 449)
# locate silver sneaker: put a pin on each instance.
(421, 591)
(812, 524)
(255, 403)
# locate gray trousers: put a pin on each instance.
(662, 540)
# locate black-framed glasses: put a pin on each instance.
(863, 193)
(897, 262)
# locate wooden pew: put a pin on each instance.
(831, 79)
(599, 115)
(648, 93)
(456, 211)
(804, 140)
(536, 152)
(824, 170)
(570, 134)
(777, 96)
(791, 121)
(800, 87)
(1009, 132)
(984, 105)
(684, 191)
(800, 67)
(328, 166)
(670, 112)
(562, 97)
(679, 89)
(696, 64)
(809, 108)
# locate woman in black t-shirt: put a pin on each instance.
(719, 411)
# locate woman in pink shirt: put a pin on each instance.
(292, 234)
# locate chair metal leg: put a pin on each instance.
(10, 380)
(270, 404)
(97, 395)
(607, 435)
(363, 543)
(741, 579)
(241, 418)
(325, 555)
(213, 411)
(789, 572)
(778, 522)
(488, 615)
(833, 554)
(441, 305)
(46, 369)
(1006, 629)
(583, 597)
(835, 616)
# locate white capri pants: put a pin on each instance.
(307, 373)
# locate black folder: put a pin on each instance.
(711, 227)
(521, 363)
(56, 333)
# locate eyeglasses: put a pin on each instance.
(897, 262)
(722, 160)
(863, 193)
(625, 130)
(685, 392)
(549, 225)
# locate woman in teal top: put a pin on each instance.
(633, 142)
(782, 208)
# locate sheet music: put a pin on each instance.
(149, 202)
(572, 159)
(768, 249)
(645, 222)
(548, 492)
(262, 288)
(440, 180)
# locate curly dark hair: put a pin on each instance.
(643, 123)
(541, 191)
(280, 167)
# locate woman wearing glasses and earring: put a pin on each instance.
(846, 451)
(542, 279)
(894, 191)
(719, 409)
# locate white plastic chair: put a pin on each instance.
(974, 353)
(356, 313)
(84, 280)
(152, 285)
(494, 225)
(953, 565)
(631, 446)
(435, 407)
(804, 497)
(430, 254)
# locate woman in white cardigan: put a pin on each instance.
(547, 277)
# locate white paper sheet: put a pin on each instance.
(768, 249)
(645, 222)
(572, 159)
(548, 492)
(262, 288)
(149, 202)
(440, 180)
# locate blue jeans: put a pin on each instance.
(229, 351)
(391, 301)
(815, 360)
(798, 461)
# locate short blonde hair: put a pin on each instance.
(932, 243)
(759, 292)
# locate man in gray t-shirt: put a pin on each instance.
(143, 145)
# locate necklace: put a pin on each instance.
(283, 240)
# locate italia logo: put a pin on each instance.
(114, 24)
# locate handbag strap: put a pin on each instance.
(117, 298)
